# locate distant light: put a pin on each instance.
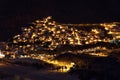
(1, 55)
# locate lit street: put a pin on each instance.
(17, 72)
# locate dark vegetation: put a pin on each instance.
(67, 47)
(38, 64)
(90, 67)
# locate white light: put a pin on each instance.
(1, 55)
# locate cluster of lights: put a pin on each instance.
(48, 34)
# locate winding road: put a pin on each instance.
(17, 72)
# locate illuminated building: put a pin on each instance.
(49, 35)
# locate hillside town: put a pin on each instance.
(62, 47)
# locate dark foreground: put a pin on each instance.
(17, 72)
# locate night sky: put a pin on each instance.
(15, 14)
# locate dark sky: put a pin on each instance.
(15, 13)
